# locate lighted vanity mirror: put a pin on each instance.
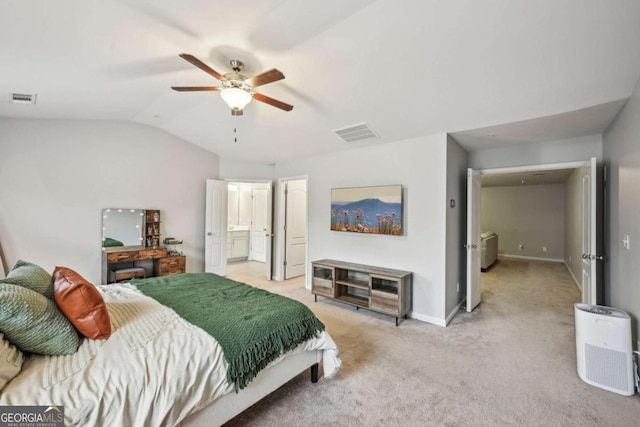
(122, 227)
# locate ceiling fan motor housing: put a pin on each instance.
(236, 65)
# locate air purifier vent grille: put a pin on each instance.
(606, 367)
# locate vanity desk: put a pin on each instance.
(119, 258)
(130, 240)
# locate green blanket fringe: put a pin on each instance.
(243, 369)
(253, 326)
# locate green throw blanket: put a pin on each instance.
(253, 326)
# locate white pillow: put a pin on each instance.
(10, 361)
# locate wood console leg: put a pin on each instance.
(316, 298)
(314, 373)
(396, 321)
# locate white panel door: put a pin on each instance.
(474, 192)
(215, 248)
(295, 228)
(259, 225)
(591, 260)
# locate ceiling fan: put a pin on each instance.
(237, 89)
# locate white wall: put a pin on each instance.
(239, 170)
(420, 166)
(622, 158)
(566, 150)
(58, 175)
(573, 224)
(528, 215)
(456, 259)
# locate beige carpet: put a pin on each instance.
(510, 362)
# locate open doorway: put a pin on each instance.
(249, 227)
(545, 213)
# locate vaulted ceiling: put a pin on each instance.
(527, 69)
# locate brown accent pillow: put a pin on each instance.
(81, 303)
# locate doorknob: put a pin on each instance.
(585, 256)
(474, 246)
(595, 257)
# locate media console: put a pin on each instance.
(378, 289)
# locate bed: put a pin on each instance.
(489, 249)
(157, 368)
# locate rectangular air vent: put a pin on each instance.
(23, 98)
(357, 132)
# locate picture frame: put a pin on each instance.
(368, 210)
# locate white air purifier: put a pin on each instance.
(603, 348)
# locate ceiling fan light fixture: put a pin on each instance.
(235, 98)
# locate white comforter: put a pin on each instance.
(155, 369)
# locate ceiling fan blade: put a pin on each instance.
(195, 88)
(278, 104)
(265, 78)
(204, 67)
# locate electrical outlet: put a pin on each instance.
(544, 249)
(521, 246)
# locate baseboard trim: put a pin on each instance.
(454, 312)
(579, 286)
(531, 258)
(428, 319)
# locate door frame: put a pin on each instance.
(270, 244)
(542, 167)
(280, 236)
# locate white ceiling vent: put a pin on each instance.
(357, 132)
(23, 98)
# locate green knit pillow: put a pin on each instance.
(31, 277)
(34, 323)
